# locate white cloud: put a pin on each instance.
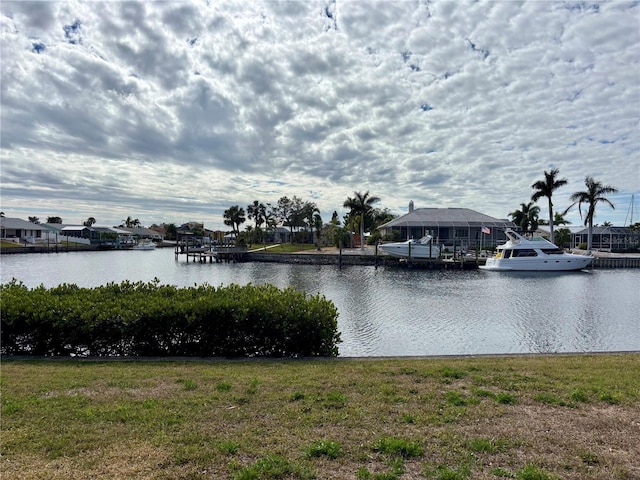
(174, 111)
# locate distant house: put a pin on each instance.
(160, 230)
(80, 231)
(20, 231)
(191, 227)
(94, 235)
(460, 226)
(607, 238)
(279, 235)
(141, 232)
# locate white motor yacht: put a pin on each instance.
(535, 254)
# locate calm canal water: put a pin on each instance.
(398, 312)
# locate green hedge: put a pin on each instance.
(149, 319)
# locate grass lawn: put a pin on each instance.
(6, 244)
(282, 247)
(528, 418)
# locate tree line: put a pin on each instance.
(304, 220)
(128, 222)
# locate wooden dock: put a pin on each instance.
(210, 254)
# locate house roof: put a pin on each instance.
(76, 228)
(19, 224)
(447, 217)
(140, 231)
(609, 230)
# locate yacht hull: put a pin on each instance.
(561, 263)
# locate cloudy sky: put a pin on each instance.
(174, 111)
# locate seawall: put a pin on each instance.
(315, 259)
(615, 262)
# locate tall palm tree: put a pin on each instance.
(233, 217)
(545, 188)
(361, 205)
(526, 217)
(594, 194)
(317, 223)
(310, 209)
(257, 212)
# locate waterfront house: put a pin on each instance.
(449, 226)
(109, 237)
(20, 231)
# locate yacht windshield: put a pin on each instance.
(552, 251)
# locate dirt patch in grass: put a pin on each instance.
(141, 461)
(597, 442)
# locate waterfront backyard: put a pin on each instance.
(526, 417)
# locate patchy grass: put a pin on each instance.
(327, 448)
(7, 244)
(282, 247)
(531, 418)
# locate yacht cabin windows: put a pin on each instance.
(524, 252)
(552, 251)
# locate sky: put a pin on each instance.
(174, 111)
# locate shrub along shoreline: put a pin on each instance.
(149, 319)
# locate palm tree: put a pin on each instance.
(563, 237)
(361, 205)
(270, 223)
(310, 209)
(258, 213)
(130, 222)
(545, 188)
(234, 217)
(558, 219)
(594, 194)
(317, 223)
(526, 217)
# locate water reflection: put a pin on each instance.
(402, 312)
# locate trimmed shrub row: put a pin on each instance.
(149, 319)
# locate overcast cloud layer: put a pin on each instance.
(175, 111)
